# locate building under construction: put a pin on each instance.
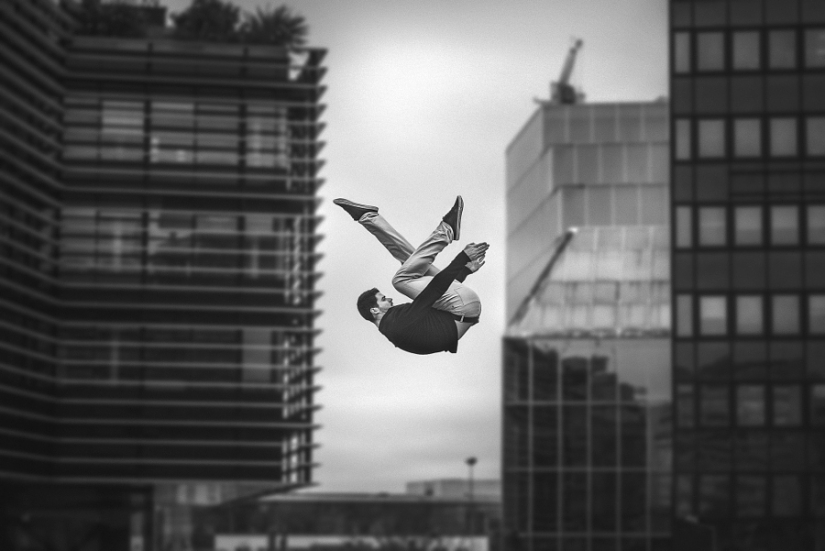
(586, 356)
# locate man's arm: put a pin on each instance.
(441, 281)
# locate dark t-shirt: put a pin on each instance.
(419, 328)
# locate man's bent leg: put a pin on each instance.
(394, 242)
(420, 262)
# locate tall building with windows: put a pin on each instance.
(158, 278)
(586, 367)
(748, 204)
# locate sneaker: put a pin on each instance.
(356, 210)
(453, 218)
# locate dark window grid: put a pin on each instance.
(725, 415)
(728, 53)
(772, 398)
(729, 138)
(692, 222)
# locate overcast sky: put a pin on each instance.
(423, 98)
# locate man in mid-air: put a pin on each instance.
(442, 309)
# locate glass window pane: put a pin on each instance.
(815, 48)
(782, 49)
(712, 226)
(746, 50)
(816, 314)
(710, 51)
(684, 227)
(787, 405)
(749, 319)
(785, 314)
(816, 224)
(784, 225)
(713, 407)
(818, 405)
(747, 225)
(683, 137)
(713, 316)
(711, 138)
(815, 136)
(747, 138)
(681, 52)
(783, 139)
(684, 315)
(787, 499)
(750, 405)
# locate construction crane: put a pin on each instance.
(562, 91)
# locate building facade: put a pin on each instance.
(159, 230)
(586, 367)
(748, 204)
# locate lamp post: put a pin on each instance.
(471, 461)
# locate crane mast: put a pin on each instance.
(562, 91)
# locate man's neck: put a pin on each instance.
(378, 318)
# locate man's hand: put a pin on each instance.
(475, 265)
(476, 252)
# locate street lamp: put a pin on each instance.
(471, 461)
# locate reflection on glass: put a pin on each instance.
(816, 314)
(815, 136)
(714, 498)
(747, 225)
(750, 405)
(751, 496)
(815, 48)
(681, 52)
(784, 224)
(684, 315)
(782, 49)
(783, 137)
(749, 320)
(683, 140)
(785, 314)
(747, 138)
(714, 405)
(712, 226)
(711, 138)
(746, 54)
(710, 51)
(713, 315)
(787, 405)
(816, 224)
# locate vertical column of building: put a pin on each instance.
(748, 199)
(31, 107)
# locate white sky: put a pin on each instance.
(423, 98)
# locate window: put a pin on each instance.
(711, 138)
(747, 138)
(712, 226)
(750, 405)
(749, 315)
(683, 138)
(785, 314)
(747, 226)
(818, 405)
(782, 49)
(815, 136)
(746, 54)
(787, 405)
(816, 314)
(710, 51)
(684, 227)
(713, 407)
(685, 407)
(815, 48)
(784, 225)
(816, 224)
(684, 316)
(713, 315)
(783, 142)
(681, 52)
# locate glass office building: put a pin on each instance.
(587, 375)
(159, 234)
(748, 204)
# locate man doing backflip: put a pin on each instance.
(442, 309)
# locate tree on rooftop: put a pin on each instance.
(207, 20)
(277, 26)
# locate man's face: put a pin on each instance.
(384, 303)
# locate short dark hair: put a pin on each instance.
(366, 301)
